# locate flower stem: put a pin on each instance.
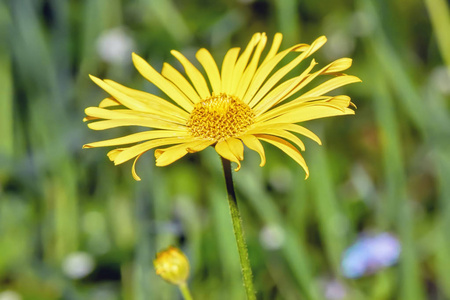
(238, 232)
(185, 291)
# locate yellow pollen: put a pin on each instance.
(220, 117)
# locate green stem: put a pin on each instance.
(238, 232)
(185, 291)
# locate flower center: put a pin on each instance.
(220, 117)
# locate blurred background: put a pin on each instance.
(371, 222)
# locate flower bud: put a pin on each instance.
(172, 265)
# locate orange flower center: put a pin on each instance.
(220, 117)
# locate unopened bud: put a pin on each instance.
(172, 265)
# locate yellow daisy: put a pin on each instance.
(243, 103)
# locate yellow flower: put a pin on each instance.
(242, 104)
(172, 265)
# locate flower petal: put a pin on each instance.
(167, 156)
(137, 137)
(251, 68)
(310, 112)
(300, 130)
(107, 102)
(180, 81)
(228, 64)
(242, 63)
(286, 148)
(275, 78)
(254, 144)
(332, 68)
(113, 153)
(157, 124)
(207, 61)
(280, 133)
(236, 147)
(135, 150)
(330, 85)
(282, 91)
(119, 96)
(194, 74)
(153, 102)
(338, 65)
(277, 38)
(292, 105)
(133, 168)
(163, 84)
(223, 149)
(102, 113)
(266, 68)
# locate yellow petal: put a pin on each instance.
(289, 107)
(89, 118)
(194, 74)
(286, 148)
(180, 81)
(316, 45)
(207, 61)
(261, 74)
(254, 144)
(278, 132)
(113, 153)
(277, 38)
(119, 96)
(192, 147)
(167, 156)
(236, 148)
(227, 69)
(275, 78)
(341, 101)
(157, 124)
(301, 130)
(331, 84)
(223, 149)
(135, 150)
(281, 92)
(332, 68)
(116, 114)
(199, 146)
(242, 63)
(137, 137)
(153, 102)
(309, 113)
(133, 168)
(338, 65)
(267, 67)
(251, 68)
(107, 102)
(163, 84)
(103, 113)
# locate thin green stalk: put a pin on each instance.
(185, 291)
(238, 232)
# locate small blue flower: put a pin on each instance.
(369, 254)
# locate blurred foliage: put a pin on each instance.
(385, 169)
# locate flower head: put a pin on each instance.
(172, 265)
(243, 103)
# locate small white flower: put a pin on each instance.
(272, 236)
(115, 46)
(10, 295)
(78, 265)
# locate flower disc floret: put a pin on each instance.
(220, 117)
